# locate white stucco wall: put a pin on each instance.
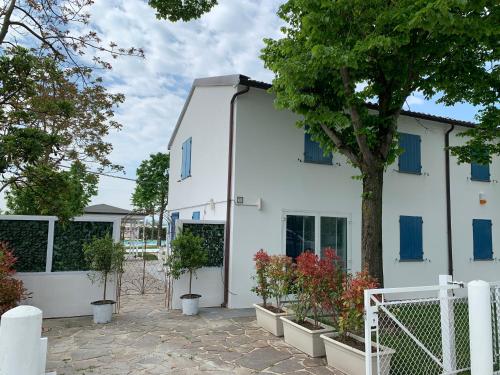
(206, 121)
(268, 166)
(268, 154)
(208, 283)
(64, 294)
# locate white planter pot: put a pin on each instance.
(190, 304)
(103, 311)
(270, 321)
(306, 340)
(351, 361)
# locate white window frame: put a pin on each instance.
(317, 229)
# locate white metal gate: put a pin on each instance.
(419, 330)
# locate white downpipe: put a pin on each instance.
(20, 344)
(481, 341)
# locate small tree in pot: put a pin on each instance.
(104, 257)
(187, 256)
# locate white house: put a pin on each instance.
(285, 196)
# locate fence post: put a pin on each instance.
(370, 321)
(20, 343)
(480, 330)
(447, 324)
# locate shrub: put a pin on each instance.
(12, 290)
(280, 277)
(351, 318)
(262, 259)
(318, 285)
(187, 256)
(104, 257)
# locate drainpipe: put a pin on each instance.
(227, 238)
(448, 200)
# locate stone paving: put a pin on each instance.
(145, 338)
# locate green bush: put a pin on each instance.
(104, 256)
(187, 256)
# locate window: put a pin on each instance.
(173, 219)
(186, 159)
(482, 238)
(299, 235)
(410, 160)
(315, 233)
(313, 153)
(410, 238)
(196, 215)
(480, 172)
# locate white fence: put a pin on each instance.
(425, 330)
(62, 294)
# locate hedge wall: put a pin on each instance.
(69, 239)
(28, 241)
(213, 236)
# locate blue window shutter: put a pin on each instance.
(480, 172)
(196, 215)
(189, 143)
(183, 166)
(482, 238)
(410, 238)
(313, 152)
(174, 217)
(410, 161)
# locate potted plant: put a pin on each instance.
(273, 276)
(316, 283)
(105, 257)
(345, 349)
(187, 256)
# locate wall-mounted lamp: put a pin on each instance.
(482, 199)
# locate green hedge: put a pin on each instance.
(28, 241)
(213, 236)
(69, 239)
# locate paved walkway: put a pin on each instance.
(146, 339)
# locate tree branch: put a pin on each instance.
(6, 22)
(355, 118)
(343, 148)
(39, 37)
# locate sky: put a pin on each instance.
(227, 40)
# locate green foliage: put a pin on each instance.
(45, 191)
(104, 256)
(187, 255)
(185, 10)
(335, 56)
(27, 240)
(70, 239)
(213, 241)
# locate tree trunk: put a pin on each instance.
(160, 220)
(105, 284)
(190, 281)
(153, 226)
(371, 227)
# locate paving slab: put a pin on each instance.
(145, 338)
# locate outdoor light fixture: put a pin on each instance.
(482, 199)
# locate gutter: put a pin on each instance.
(448, 200)
(227, 238)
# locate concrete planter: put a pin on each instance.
(270, 321)
(351, 361)
(304, 339)
(190, 304)
(103, 311)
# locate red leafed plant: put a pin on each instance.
(262, 259)
(351, 318)
(11, 290)
(280, 277)
(318, 285)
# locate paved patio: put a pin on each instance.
(146, 339)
